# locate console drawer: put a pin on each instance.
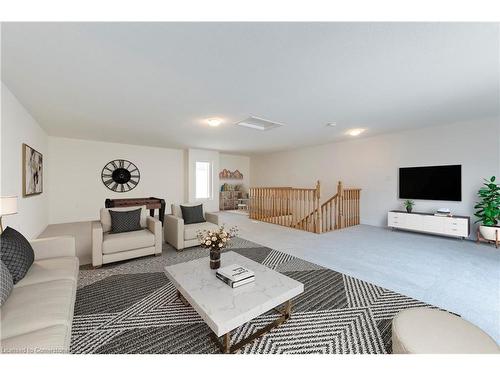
(456, 231)
(457, 227)
(395, 219)
(434, 224)
(413, 221)
(458, 223)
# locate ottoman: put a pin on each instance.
(429, 331)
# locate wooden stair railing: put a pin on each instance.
(342, 210)
(325, 208)
(284, 205)
(300, 208)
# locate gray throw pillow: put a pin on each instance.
(6, 283)
(192, 214)
(125, 221)
(16, 253)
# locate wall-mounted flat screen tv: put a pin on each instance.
(442, 183)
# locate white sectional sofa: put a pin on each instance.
(37, 316)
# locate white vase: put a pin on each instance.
(489, 232)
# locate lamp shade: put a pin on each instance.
(8, 205)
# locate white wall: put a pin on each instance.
(74, 176)
(372, 164)
(18, 127)
(233, 162)
(194, 155)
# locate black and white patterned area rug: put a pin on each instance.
(131, 307)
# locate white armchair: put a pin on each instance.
(112, 247)
(181, 235)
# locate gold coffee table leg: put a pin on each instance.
(226, 343)
(288, 309)
(183, 300)
(226, 347)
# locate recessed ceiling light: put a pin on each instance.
(355, 132)
(214, 122)
(332, 124)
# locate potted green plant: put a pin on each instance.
(488, 208)
(408, 205)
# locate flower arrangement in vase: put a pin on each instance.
(216, 241)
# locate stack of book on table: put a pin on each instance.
(235, 275)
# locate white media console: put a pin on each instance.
(457, 226)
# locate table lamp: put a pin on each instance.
(8, 206)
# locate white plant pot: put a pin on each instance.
(489, 232)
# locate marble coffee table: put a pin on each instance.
(224, 308)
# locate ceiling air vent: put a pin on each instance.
(259, 123)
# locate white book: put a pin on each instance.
(235, 272)
(243, 282)
(235, 284)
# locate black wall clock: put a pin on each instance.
(120, 175)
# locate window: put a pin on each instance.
(203, 180)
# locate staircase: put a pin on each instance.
(300, 208)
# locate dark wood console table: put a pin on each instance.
(151, 204)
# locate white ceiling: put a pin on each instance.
(155, 83)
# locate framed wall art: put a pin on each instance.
(32, 171)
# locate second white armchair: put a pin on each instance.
(181, 235)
